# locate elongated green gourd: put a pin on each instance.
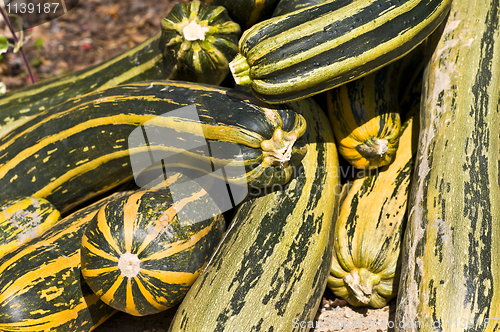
(78, 149)
(270, 271)
(450, 272)
(317, 48)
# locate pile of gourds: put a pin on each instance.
(350, 148)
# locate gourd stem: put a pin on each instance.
(129, 265)
(373, 148)
(193, 31)
(279, 147)
(361, 283)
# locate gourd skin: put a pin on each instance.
(288, 6)
(24, 218)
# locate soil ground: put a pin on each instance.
(91, 33)
(334, 315)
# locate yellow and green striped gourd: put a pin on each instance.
(366, 263)
(80, 149)
(141, 253)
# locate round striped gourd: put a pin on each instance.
(365, 118)
(22, 219)
(201, 39)
(141, 254)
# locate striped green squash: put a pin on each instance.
(288, 6)
(366, 261)
(41, 287)
(140, 254)
(22, 219)
(270, 271)
(143, 62)
(79, 149)
(246, 12)
(365, 117)
(450, 272)
(317, 48)
(201, 40)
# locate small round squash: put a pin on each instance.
(201, 39)
(141, 254)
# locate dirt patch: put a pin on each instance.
(92, 32)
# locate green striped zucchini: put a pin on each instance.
(22, 219)
(41, 288)
(317, 48)
(366, 261)
(270, 271)
(450, 272)
(201, 40)
(140, 254)
(143, 62)
(79, 149)
(288, 6)
(246, 12)
(365, 117)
